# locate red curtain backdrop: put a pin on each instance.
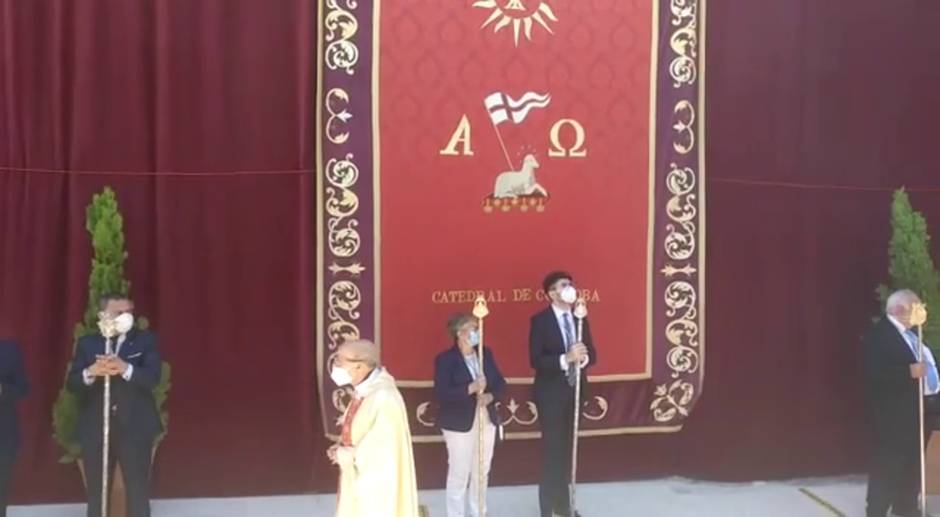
(816, 110)
(216, 97)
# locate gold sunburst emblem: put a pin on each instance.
(520, 14)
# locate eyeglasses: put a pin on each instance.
(337, 359)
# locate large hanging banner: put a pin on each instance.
(468, 148)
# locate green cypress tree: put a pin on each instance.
(910, 264)
(106, 226)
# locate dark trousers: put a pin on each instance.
(893, 482)
(894, 471)
(134, 455)
(7, 458)
(556, 414)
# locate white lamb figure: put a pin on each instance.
(512, 184)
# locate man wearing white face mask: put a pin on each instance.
(460, 389)
(377, 473)
(554, 350)
(891, 376)
(132, 360)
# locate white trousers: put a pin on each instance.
(463, 466)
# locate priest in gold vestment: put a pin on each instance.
(376, 466)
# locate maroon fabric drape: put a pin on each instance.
(220, 259)
(804, 99)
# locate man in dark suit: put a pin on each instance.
(460, 390)
(134, 367)
(13, 386)
(891, 376)
(554, 352)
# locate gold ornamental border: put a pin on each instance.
(684, 243)
(336, 198)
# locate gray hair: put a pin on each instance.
(900, 299)
(363, 351)
(456, 321)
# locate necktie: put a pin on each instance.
(569, 342)
(932, 380)
(569, 333)
(116, 343)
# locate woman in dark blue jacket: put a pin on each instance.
(460, 388)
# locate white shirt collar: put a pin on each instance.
(361, 388)
(897, 324)
(116, 342)
(559, 313)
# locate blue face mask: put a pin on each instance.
(474, 337)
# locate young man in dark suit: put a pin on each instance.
(891, 375)
(134, 367)
(554, 352)
(13, 387)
